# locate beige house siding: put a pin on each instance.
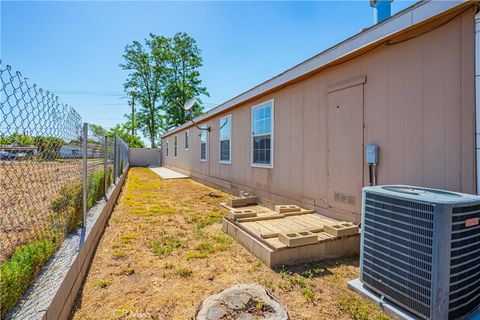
(414, 99)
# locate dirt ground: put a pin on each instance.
(164, 251)
(26, 192)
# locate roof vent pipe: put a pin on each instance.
(382, 9)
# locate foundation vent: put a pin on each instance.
(421, 249)
(345, 198)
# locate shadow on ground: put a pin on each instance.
(318, 269)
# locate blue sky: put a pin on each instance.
(73, 48)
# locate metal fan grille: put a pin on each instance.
(397, 251)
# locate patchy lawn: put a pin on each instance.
(164, 251)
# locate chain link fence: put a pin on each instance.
(53, 170)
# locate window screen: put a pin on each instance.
(203, 144)
(262, 134)
(225, 138)
(175, 146)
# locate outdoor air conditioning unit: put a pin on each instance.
(420, 249)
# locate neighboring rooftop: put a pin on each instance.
(373, 36)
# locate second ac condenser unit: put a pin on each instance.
(421, 249)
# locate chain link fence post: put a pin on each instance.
(105, 170)
(115, 158)
(84, 172)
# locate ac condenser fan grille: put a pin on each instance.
(397, 250)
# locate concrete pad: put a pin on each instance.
(387, 306)
(166, 173)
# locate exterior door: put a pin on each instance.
(345, 148)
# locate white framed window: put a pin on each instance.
(166, 149)
(225, 134)
(203, 143)
(175, 146)
(186, 139)
(262, 134)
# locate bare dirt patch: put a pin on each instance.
(27, 189)
(164, 252)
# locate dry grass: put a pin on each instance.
(26, 192)
(27, 189)
(164, 252)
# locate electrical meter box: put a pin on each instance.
(371, 154)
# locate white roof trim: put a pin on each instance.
(405, 19)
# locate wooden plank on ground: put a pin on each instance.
(268, 226)
(292, 225)
(278, 225)
(302, 222)
(253, 227)
(317, 220)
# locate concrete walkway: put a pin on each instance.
(166, 173)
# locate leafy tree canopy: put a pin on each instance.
(163, 74)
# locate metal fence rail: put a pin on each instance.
(53, 169)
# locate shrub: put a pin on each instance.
(68, 205)
(17, 272)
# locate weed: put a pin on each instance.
(283, 272)
(357, 308)
(221, 239)
(184, 272)
(123, 312)
(205, 247)
(128, 271)
(308, 294)
(223, 242)
(166, 245)
(127, 237)
(102, 283)
(158, 209)
(199, 234)
(168, 265)
(117, 253)
(212, 218)
(297, 280)
(19, 270)
(259, 305)
(196, 255)
(256, 265)
(115, 245)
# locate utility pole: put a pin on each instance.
(132, 103)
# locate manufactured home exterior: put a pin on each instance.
(406, 85)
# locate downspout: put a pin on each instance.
(477, 96)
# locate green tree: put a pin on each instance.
(123, 131)
(17, 138)
(147, 66)
(163, 74)
(182, 80)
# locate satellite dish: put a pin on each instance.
(189, 103)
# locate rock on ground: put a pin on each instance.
(243, 302)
